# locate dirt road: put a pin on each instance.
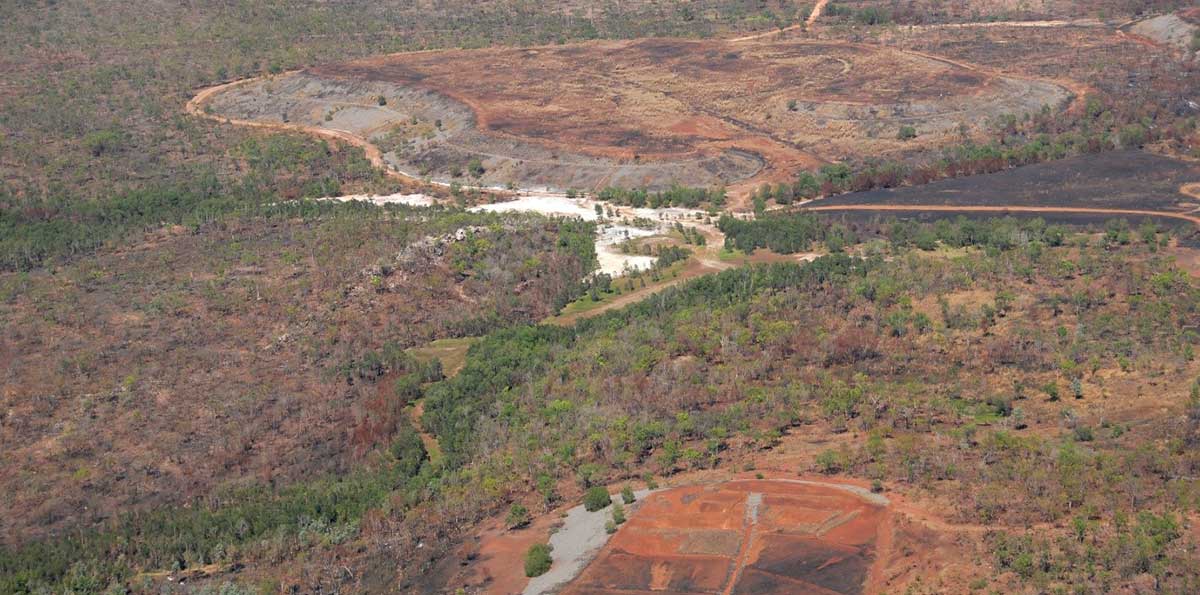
(1195, 220)
(812, 18)
(701, 267)
(816, 12)
(1192, 190)
(195, 107)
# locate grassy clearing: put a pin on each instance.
(632, 289)
(451, 352)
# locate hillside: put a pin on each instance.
(672, 296)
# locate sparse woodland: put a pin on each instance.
(202, 371)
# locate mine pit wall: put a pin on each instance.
(423, 150)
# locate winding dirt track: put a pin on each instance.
(1194, 220)
(812, 18)
(195, 107)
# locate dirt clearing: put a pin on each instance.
(672, 111)
(742, 537)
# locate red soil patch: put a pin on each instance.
(498, 557)
(668, 99)
(740, 537)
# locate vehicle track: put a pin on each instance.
(1194, 220)
(196, 105)
(810, 21)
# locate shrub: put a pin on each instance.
(381, 100)
(828, 461)
(618, 513)
(1133, 135)
(1051, 390)
(545, 486)
(103, 141)
(537, 560)
(596, 498)
(906, 133)
(518, 516)
(627, 495)
(873, 16)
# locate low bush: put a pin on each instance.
(537, 560)
(518, 517)
(596, 498)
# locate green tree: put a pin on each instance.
(409, 452)
(596, 498)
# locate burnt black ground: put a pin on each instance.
(1128, 179)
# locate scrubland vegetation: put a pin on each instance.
(1015, 141)
(1004, 380)
(309, 298)
(94, 144)
(919, 12)
(673, 197)
(202, 371)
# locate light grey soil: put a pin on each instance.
(575, 544)
(1166, 29)
(404, 129)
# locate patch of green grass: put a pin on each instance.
(734, 255)
(451, 352)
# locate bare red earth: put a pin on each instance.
(740, 537)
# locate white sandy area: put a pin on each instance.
(546, 205)
(413, 200)
(608, 235)
(608, 252)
